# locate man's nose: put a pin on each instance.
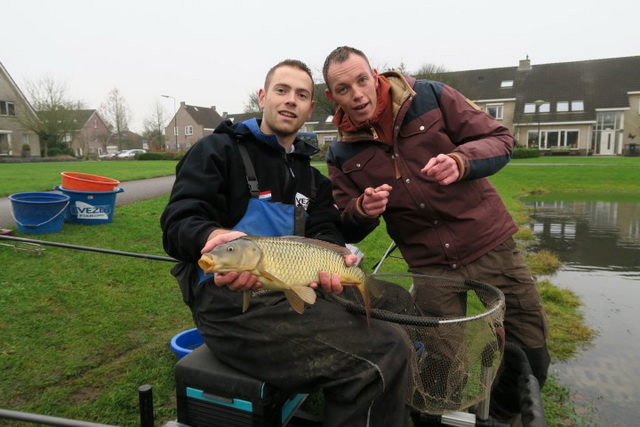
(357, 94)
(291, 99)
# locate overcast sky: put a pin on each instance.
(217, 52)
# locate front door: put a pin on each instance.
(607, 142)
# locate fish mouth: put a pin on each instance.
(207, 264)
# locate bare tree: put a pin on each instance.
(438, 73)
(55, 123)
(154, 124)
(116, 112)
(252, 105)
(323, 103)
(429, 72)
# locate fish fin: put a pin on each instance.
(246, 298)
(375, 286)
(321, 243)
(305, 293)
(272, 278)
(295, 301)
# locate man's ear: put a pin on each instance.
(329, 95)
(313, 105)
(374, 72)
(261, 96)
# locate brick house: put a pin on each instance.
(189, 124)
(92, 135)
(14, 135)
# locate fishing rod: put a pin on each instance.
(86, 248)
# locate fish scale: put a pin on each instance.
(279, 255)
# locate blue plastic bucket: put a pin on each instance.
(185, 342)
(90, 208)
(38, 213)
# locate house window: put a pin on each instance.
(506, 83)
(577, 106)
(495, 110)
(188, 130)
(25, 138)
(531, 107)
(550, 139)
(7, 108)
(562, 106)
(175, 131)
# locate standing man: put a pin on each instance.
(418, 153)
(255, 177)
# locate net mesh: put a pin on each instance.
(456, 328)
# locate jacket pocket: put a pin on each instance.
(421, 124)
(358, 162)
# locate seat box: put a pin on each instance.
(213, 394)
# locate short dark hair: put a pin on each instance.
(338, 56)
(289, 63)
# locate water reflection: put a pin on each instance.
(597, 234)
(599, 244)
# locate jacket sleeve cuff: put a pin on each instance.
(360, 209)
(460, 162)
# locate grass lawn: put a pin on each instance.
(82, 331)
(19, 177)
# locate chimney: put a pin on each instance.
(525, 64)
(213, 107)
(224, 114)
(182, 104)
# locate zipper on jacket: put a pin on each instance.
(394, 156)
(288, 180)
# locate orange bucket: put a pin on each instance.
(86, 182)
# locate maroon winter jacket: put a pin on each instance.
(431, 224)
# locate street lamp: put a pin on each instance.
(538, 104)
(175, 118)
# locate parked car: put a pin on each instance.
(127, 154)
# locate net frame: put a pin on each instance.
(456, 358)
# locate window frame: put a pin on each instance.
(499, 110)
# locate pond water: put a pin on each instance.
(599, 244)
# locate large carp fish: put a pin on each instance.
(288, 264)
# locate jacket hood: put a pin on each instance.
(251, 128)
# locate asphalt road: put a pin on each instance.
(133, 191)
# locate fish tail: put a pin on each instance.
(246, 299)
(370, 287)
(375, 286)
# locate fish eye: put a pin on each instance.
(230, 249)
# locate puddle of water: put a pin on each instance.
(599, 244)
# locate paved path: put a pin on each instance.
(133, 191)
